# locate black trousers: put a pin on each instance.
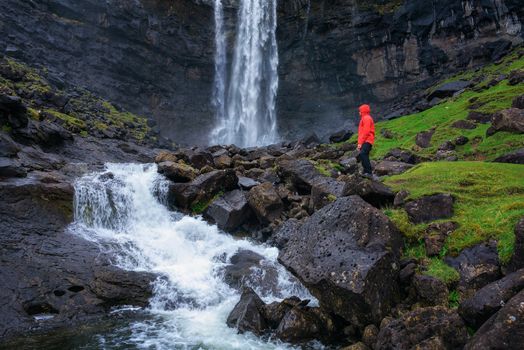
(364, 157)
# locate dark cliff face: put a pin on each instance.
(155, 57)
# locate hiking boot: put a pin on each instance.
(371, 176)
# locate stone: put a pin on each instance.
(407, 273)
(8, 148)
(229, 211)
(464, 124)
(247, 315)
(349, 165)
(177, 172)
(13, 111)
(302, 323)
(346, 254)
(10, 167)
(479, 117)
(310, 140)
(357, 346)
(265, 202)
(517, 260)
(504, 330)
(202, 189)
(414, 329)
(447, 146)
(461, 140)
(430, 291)
(247, 268)
(275, 312)
(387, 134)
(45, 134)
(518, 102)
(301, 173)
(200, 159)
(516, 77)
(325, 191)
(477, 309)
(423, 139)
(267, 162)
(509, 120)
(400, 198)
(223, 162)
(369, 335)
(373, 192)
(284, 232)
(448, 89)
(515, 157)
(340, 136)
(387, 168)
(247, 183)
(435, 236)
(430, 208)
(166, 156)
(477, 266)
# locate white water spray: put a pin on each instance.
(248, 117)
(122, 209)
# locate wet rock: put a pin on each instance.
(415, 329)
(516, 77)
(477, 266)
(36, 159)
(407, 273)
(479, 117)
(517, 260)
(302, 323)
(310, 140)
(430, 291)
(435, 236)
(355, 250)
(464, 124)
(430, 208)
(509, 120)
(247, 315)
(275, 312)
(202, 189)
(423, 139)
(265, 202)
(177, 172)
(247, 268)
(516, 157)
(340, 136)
(449, 89)
(518, 102)
(489, 299)
(387, 168)
(504, 330)
(229, 211)
(373, 192)
(246, 183)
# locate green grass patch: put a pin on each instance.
(199, 207)
(454, 299)
(439, 269)
(489, 200)
(71, 123)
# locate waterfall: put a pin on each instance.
(248, 117)
(219, 91)
(123, 210)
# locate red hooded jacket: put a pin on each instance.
(366, 128)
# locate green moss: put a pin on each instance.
(72, 123)
(331, 197)
(489, 200)
(7, 128)
(84, 133)
(33, 113)
(454, 299)
(201, 206)
(439, 269)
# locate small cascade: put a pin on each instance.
(123, 210)
(248, 116)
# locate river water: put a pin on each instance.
(123, 210)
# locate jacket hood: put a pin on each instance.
(364, 109)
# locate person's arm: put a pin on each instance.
(363, 132)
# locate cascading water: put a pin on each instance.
(248, 116)
(123, 210)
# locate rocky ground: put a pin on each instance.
(397, 263)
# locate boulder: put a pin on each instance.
(10, 167)
(265, 202)
(400, 198)
(447, 146)
(430, 208)
(516, 77)
(223, 162)
(301, 173)
(357, 346)
(166, 156)
(340, 136)
(247, 268)
(430, 291)
(515, 157)
(387, 134)
(275, 312)
(517, 260)
(387, 168)
(374, 192)
(369, 335)
(489, 299)
(423, 139)
(422, 327)
(45, 134)
(518, 102)
(13, 111)
(200, 159)
(435, 236)
(346, 254)
(310, 140)
(325, 191)
(247, 183)
(402, 155)
(177, 172)
(509, 120)
(248, 314)
(8, 148)
(479, 117)
(461, 140)
(448, 89)
(267, 162)
(477, 266)
(302, 324)
(229, 211)
(504, 330)
(284, 232)
(202, 189)
(464, 124)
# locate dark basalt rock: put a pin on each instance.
(479, 117)
(477, 266)
(177, 172)
(248, 314)
(423, 139)
(387, 167)
(284, 232)
(461, 140)
(275, 312)
(340, 136)
(435, 236)
(265, 202)
(518, 102)
(509, 120)
(516, 77)
(504, 330)
(346, 254)
(430, 291)
(13, 111)
(374, 192)
(246, 183)
(11, 168)
(400, 198)
(489, 299)
(422, 327)
(8, 148)
(517, 260)
(516, 157)
(302, 324)
(429, 208)
(449, 89)
(229, 211)
(464, 124)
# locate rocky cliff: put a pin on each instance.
(155, 57)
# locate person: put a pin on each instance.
(366, 139)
